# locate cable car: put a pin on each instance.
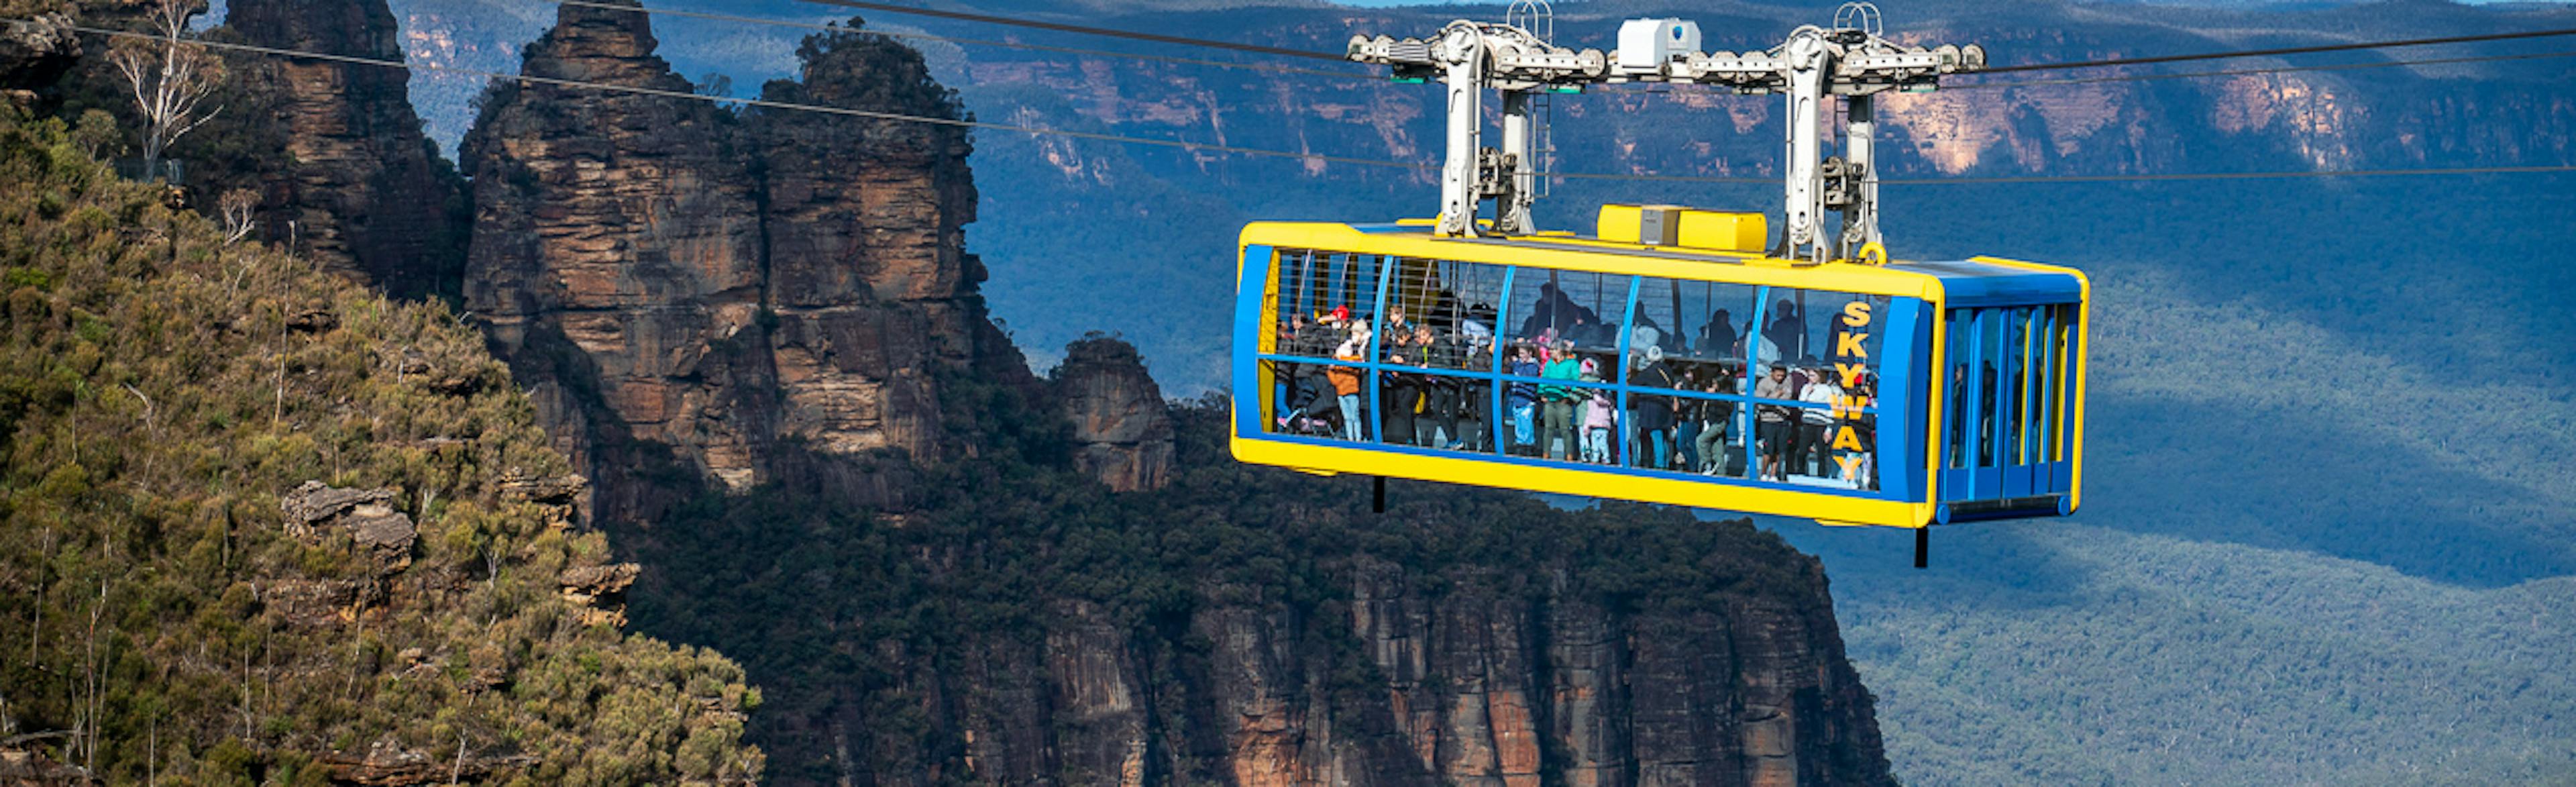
(1953, 390)
(1668, 357)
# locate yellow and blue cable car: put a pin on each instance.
(1667, 358)
(1687, 370)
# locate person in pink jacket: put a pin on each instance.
(1597, 421)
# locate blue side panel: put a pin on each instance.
(1250, 285)
(1967, 285)
(1985, 479)
(1901, 404)
(2014, 422)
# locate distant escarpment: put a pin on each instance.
(735, 295)
(1255, 626)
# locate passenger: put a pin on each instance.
(1542, 316)
(1778, 424)
(1401, 391)
(1396, 325)
(1438, 425)
(1556, 311)
(1654, 412)
(1686, 423)
(1557, 401)
(1346, 379)
(1471, 430)
(1788, 330)
(1523, 398)
(1866, 428)
(1717, 417)
(1597, 420)
(1718, 339)
(1816, 435)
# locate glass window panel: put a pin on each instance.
(2064, 376)
(1696, 323)
(1836, 340)
(1955, 400)
(2016, 382)
(1988, 355)
(1318, 297)
(1441, 313)
(1577, 311)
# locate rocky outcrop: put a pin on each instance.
(361, 190)
(616, 252)
(1415, 679)
(22, 767)
(1122, 431)
(733, 290)
(36, 51)
(386, 764)
(367, 515)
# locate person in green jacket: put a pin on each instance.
(1556, 402)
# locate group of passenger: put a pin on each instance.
(1556, 406)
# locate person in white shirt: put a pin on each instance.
(1816, 427)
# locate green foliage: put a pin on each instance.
(155, 403)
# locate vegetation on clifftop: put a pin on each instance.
(160, 394)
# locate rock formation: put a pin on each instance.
(364, 190)
(1408, 677)
(1121, 428)
(34, 52)
(733, 289)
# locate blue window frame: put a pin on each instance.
(1601, 313)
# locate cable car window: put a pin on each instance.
(1695, 322)
(1455, 301)
(2012, 339)
(1318, 306)
(1989, 352)
(1954, 400)
(1577, 310)
(1829, 438)
(2061, 326)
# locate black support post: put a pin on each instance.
(1379, 504)
(1922, 547)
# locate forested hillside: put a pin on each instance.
(259, 525)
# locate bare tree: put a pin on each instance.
(237, 207)
(170, 75)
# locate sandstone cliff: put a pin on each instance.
(1122, 431)
(746, 292)
(360, 189)
(1256, 626)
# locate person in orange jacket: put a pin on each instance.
(1346, 379)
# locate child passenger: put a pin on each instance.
(1597, 420)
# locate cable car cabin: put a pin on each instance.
(1688, 371)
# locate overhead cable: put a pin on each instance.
(1091, 31)
(1352, 75)
(2292, 50)
(2251, 71)
(1193, 146)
